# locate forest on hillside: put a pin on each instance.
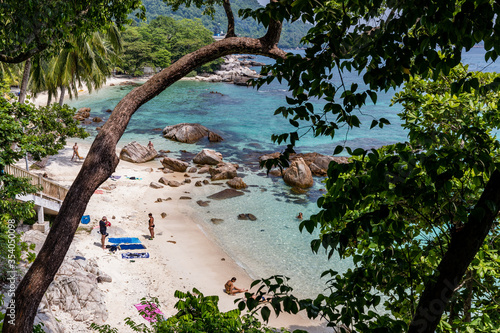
(290, 38)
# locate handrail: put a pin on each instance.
(50, 189)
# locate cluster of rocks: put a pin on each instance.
(83, 115)
(302, 168)
(74, 290)
(235, 69)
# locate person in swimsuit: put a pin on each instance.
(231, 289)
(103, 225)
(75, 152)
(151, 226)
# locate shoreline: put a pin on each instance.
(183, 254)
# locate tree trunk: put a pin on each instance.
(25, 80)
(463, 247)
(100, 163)
(61, 97)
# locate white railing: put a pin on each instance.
(50, 190)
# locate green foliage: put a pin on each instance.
(39, 132)
(394, 210)
(216, 20)
(196, 313)
(162, 42)
(30, 27)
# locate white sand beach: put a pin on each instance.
(182, 255)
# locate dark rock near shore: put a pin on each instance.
(225, 194)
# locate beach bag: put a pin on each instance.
(85, 219)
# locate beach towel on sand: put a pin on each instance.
(131, 255)
(115, 177)
(150, 311)
(131, 247)
(130, 240)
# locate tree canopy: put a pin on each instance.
(163, 41)
(31, 27)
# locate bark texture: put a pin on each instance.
(463, 247)
(24, 82)
(100, 163)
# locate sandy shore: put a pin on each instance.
(182, 256)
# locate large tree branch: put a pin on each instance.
(100, 163)
(24, 55)
(463, 246)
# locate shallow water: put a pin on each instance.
(244, 118)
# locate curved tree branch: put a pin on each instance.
(100, 163)
(230, 19)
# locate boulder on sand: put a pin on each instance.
(208, 156)
(174, 164)
(187, 132)
(298, 174)
(137, 153)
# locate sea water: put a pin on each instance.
(244, 117)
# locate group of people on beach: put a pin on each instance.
(104, 224)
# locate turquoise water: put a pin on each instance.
(244, 118)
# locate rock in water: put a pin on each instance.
(137, 153)
(187, 132)
(298, 174)
(225, 194)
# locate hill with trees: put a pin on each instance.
(291, 35)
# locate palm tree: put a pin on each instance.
(84, 60)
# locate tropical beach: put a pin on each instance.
(356, 175)
(181, 256)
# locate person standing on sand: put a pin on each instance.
(231, 289)
(75, 152)
(103, 224)
(151, 223)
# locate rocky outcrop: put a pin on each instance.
(208, 156)
(298, 174)
(237, 183)
(234, 69)
(174, 164)
(137, 153)
(74, 290)
(189, 133)
(223, 171)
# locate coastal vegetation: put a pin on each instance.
(419, 219)
(216, 23)
(161, 42)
